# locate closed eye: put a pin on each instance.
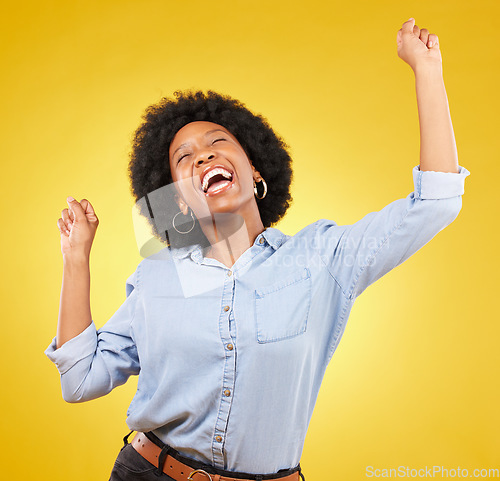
(181, 157)
(184, 155)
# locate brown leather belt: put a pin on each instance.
(180, 471)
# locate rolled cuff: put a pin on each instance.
(438, 185)
(74, 350)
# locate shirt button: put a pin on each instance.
(261, 240)
(229, 273)
(218, 439)
(229, 347)
(226, 308)
(227, 393)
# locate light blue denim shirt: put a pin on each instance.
(230, 361)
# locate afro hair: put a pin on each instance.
(149, 167)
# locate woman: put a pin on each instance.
(232, 326)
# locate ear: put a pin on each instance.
(256, 174)
(183, 207)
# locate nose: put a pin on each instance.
(204, 157)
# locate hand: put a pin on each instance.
(417, 46)
(77, 226)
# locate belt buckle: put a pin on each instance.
(201, 472)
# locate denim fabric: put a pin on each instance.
(131, 466)
(230, 361)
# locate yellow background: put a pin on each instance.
(415, 380)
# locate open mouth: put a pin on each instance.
(216, 180)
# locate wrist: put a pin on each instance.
(428, 68)
(74, 259)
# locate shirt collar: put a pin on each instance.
(274, 237)
(183, 252)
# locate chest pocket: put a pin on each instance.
(282, 308)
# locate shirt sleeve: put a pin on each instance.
(357, 255)
(96, 361)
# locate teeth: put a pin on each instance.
(212, 173)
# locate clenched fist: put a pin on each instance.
(417, 46)
(77, 226)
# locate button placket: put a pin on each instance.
(229, 373)
(232, 326)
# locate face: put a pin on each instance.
(211, 170)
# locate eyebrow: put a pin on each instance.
(204, 135)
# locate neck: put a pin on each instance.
(230, 235)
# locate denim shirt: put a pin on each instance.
(230, 360)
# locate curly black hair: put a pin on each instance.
(149, 167)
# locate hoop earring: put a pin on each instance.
(255, 189)
(187, 231)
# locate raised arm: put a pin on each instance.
(91, 363)
(359, 254)
(77, 226)
(420, 49)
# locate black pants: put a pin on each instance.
(131, 466)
